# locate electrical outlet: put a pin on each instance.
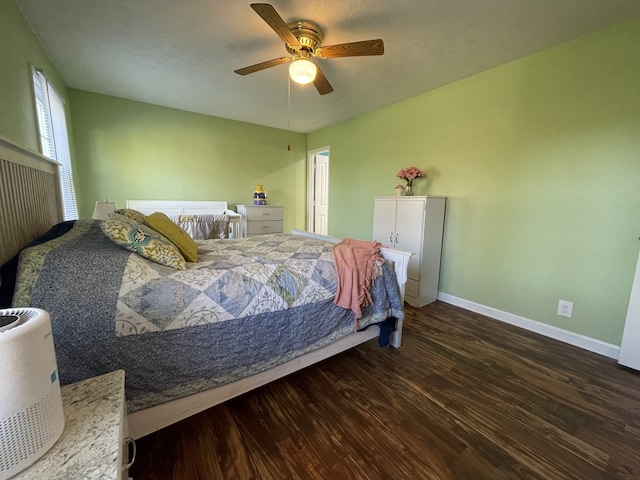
(565, 308)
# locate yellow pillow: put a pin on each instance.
(181, 239)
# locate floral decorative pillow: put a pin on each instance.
(144, 241)
(132, 214)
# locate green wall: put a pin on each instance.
(19, 49)
(132, 150)
(540, 159)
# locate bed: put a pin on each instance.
(93, 335)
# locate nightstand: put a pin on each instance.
(93, 443)
(261, 219)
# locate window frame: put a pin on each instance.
(53, 136)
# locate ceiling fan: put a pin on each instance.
(303, 40)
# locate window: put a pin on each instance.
(54, 138)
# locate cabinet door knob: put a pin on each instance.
(391, 237)
(396, 238)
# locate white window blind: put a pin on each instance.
(54, 138)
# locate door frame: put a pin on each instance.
(629, 354)
(311, 184)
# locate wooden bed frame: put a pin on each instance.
(30, 204)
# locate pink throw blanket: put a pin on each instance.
(358, 265)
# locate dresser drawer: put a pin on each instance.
(264, 213)
(258, 228)
(411, 288)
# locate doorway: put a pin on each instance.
(318, 191)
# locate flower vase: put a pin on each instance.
(408, 190)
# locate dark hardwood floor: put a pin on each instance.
(466, 397)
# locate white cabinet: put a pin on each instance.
(415, 224)
(261, 219)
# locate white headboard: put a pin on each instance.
(189, 207)
(179, 207)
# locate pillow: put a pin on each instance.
(132, 214)
(174, 233)
(142, 240)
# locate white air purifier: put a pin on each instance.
(31, 415)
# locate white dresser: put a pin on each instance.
(261, 219)
(415, 224)
(93, 442)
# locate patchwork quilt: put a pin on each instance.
(232, 279)
(248, 305)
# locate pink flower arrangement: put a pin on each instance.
(410, 174)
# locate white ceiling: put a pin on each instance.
(182, 53)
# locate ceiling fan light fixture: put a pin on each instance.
(303, 40)
(302, 71)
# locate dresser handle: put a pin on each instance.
(130, 441)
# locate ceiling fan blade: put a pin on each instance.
(353, 49)
(275, 21)
(261, 66)
(321, 83)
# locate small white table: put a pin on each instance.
(92, 443)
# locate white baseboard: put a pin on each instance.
(575, 339)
